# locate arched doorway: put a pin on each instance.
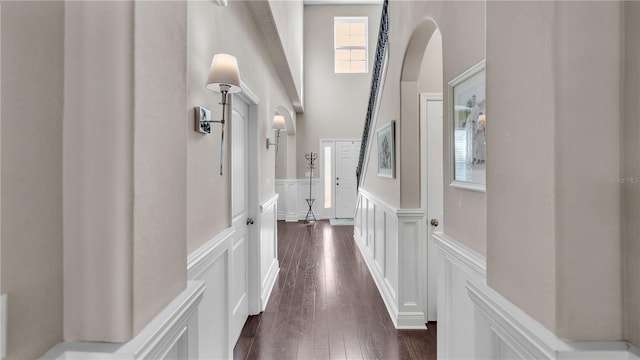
(285, 154)
(421, 91)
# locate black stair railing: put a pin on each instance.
(376, 78)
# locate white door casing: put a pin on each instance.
(431, 129)
(346, 161)
(239, 275)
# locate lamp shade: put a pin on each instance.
(224, 71)
(278, 122)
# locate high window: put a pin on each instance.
(350, 40)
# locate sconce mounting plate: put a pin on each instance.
(202, 120)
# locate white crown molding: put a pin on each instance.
(247, 95)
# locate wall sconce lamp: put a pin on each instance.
(224, 77)
(277, 125)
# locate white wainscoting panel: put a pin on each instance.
(292, 205)
(457, 264)
(172, 334)
(509, 331)
(211, 263)
(476, 322)
(288, 199)
(269, 265)
(391, 242)
(412, 253)
(220, 264)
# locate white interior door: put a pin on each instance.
(431, 128)
(346, 161)
(239, 279)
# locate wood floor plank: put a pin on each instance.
(325, 305)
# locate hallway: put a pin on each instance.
(325, 305)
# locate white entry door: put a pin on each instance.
(346, 161)
(431, 128)
(239, 280)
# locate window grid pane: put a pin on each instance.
(343, 40)
(343, 66)
(358, 40)
(357, 66)
(350, 39)
(343, 54)
(358, 28)
(358, 54)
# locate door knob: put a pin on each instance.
(249, 221)
(434, 222)
(337, 184)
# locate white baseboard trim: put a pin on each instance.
(269, 283)
(167, 331)
(411, 321)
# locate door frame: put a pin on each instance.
(424, 196)
(253, 149)
(329, 213)
(236, 306)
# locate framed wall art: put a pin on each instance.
(468, 113)
(387, 150)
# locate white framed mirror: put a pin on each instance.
(468, 119)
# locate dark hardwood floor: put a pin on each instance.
(325, 305)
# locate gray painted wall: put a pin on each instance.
(124, 165)
(208, 193)
(32, 103)
(631, 171)
(335, 104)
(552, 236)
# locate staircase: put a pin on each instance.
(376, 80)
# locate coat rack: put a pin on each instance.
(311, 159)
